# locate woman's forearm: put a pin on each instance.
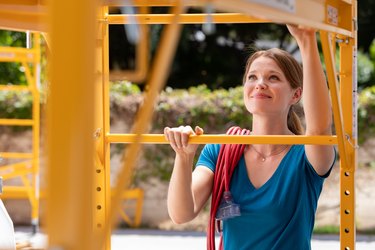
(180, 195)
(316, 101)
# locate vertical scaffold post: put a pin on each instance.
(347, 175)
(70, 125)
(348, 94)
(156, 79)
(101, 171)
(36, 133)
(344, 101)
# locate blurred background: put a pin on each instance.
(204, 88)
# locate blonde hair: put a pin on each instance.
(293, 73)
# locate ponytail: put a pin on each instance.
(294, 122)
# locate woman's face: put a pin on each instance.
(266, 89)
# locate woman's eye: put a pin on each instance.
(252, 77)
(273, 77)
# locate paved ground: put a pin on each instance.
(167, 240)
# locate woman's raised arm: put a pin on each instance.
(316, 101)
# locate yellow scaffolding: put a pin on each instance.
(72, 177)
(30, 61)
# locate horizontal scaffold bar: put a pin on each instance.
(309, 13)
(16, 192)
(16, 169)
(154, 3)
(15, 54)
(226, 139)
(166, 3)
(31, 14)
(16, 122)
(18, 173)
(5, 87)
(16, 155)
(23, 15)
(185, 18)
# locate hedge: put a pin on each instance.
(213, 110)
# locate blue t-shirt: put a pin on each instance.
(278, 215)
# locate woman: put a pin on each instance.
(276, 186)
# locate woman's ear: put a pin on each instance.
(297, 95)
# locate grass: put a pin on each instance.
(326, 230)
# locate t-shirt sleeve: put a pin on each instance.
(208, 156)
(312, 171)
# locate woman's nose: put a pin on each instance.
(261, 84)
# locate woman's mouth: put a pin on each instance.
(260, 96)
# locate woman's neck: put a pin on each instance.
(270, 126)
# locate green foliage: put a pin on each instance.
(124, 88)
(214, 111)
(372, 51)
(15, 105)
(365, 67)
(372, 58)
(366, 70)
(330, 229)
(201, 106)
(12, 38)
(159, 163)
(366, 113)
(11, 72)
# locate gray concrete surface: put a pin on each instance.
(171, 240)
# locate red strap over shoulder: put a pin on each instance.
(227, 160)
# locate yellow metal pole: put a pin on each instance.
(16, 169)
(17, 54)
(14, 88)
(102, 186)
(27, 56)
(70, 125)
(29, 77)
(186, 18)
(36, 134)
(16, 155)
(106, 130)
(346, 181)
(155, 3)
(225, 139)
(336, 102)
(348, 94)
(162, 62)
(347, 175)
(17, 122)
(23, 15)
(309, 13)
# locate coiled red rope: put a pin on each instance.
(228, 158)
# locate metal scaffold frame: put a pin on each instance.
(28, 169)
(72, 176)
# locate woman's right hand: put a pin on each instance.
(302, 34)
(178, 138)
